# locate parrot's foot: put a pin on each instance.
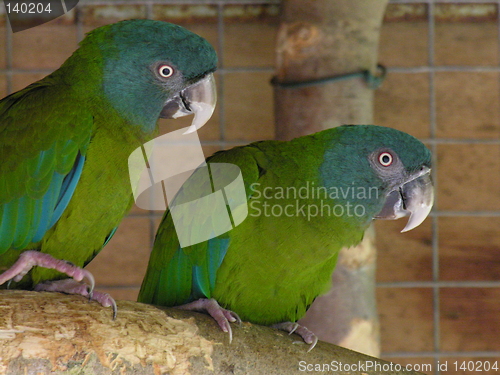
(71, 286)
(212, 307)
(290, 327)
(31, 258)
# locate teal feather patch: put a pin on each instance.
(181, 281)
(204, 276)
(201, 284)
(217, 248)
(27, 219)
(68, 188)
(110, 236)
(49, 202)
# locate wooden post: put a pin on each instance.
(318, 39)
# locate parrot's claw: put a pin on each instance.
(222, 316)
(70, 286)
(291, 327)
(31, 258)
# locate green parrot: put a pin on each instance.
(65, 142)
(305, 200)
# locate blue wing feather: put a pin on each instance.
(49, 200)
(25, 220)
(217, 248)
(68, 188)
(204, 275)
(181, 281)
(110, 235)
(42, 134)
(163, 284)
(200, 284)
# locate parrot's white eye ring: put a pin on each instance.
(165, 71)
(385, 159)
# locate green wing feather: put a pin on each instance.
(41, 134)
(178, 275)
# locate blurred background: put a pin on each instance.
(438, 286)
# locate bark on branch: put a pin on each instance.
(42, 333)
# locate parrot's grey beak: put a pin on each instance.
(414, 198)
(198, 99)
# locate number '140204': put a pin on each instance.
(28, 8)
(476, 365)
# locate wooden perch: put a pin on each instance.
(42, 333)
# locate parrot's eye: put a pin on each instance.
(165, 71)
(385, 159)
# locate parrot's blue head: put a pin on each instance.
(384, 170)
(151, 69)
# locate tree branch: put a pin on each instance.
(44, 332)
